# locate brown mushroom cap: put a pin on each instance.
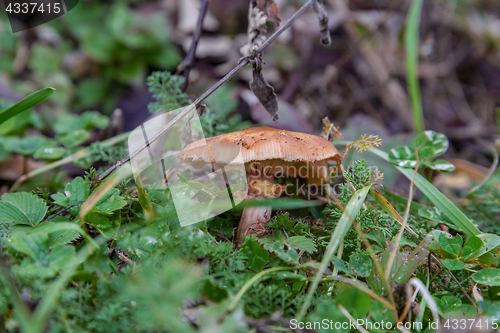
(259, 144)
(265, 152)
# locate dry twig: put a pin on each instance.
(186, 65)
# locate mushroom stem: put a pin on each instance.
(253, 222)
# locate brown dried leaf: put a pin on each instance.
(264, 92)
(270, 8)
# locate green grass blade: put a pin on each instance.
(26, 103)
(350, 212)
(279, 203)
(411, 45)
(459, 219)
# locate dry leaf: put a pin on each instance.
(476, 293)
(264, 91)
(270, 8)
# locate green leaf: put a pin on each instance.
(75, 138)
(27, 145)
(471, 246)
(355, 301)
(431, 144)
(106, 226)
(44, 59)
(35, 246)
(494, 293)
(403, 157)
(440, 165)
(277, 247)
(85, 276)
(67, 123)
(62, 237)
(154, 236)
(451, 245)
(490, 242)
(361, 264)
(257, 256)
(98, 44)
(46, 153)
(110, 202)
(463, 311)
(449, 303)
(301, 243)
(94, 119)
(340, 265)
(26, 103)
(212, 291)
(76, 191)
(453, 264)
(60, 230)
(488, 277)
(489, 259)
(22, 208)
(91, 91)
(431, 213)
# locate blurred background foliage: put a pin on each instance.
(100, 56)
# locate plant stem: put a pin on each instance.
(436, 275)
(411, 45)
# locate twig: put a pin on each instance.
(200, 99)
(186, 65)
(63, 210)
(458, 283)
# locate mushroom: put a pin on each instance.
(266, 153)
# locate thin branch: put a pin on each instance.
(63, 210)
(186, 65)
(458, 283)
(200, 99)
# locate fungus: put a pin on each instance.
(266, 153)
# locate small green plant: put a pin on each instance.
(428, 145)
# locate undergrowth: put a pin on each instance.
(124, 269)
